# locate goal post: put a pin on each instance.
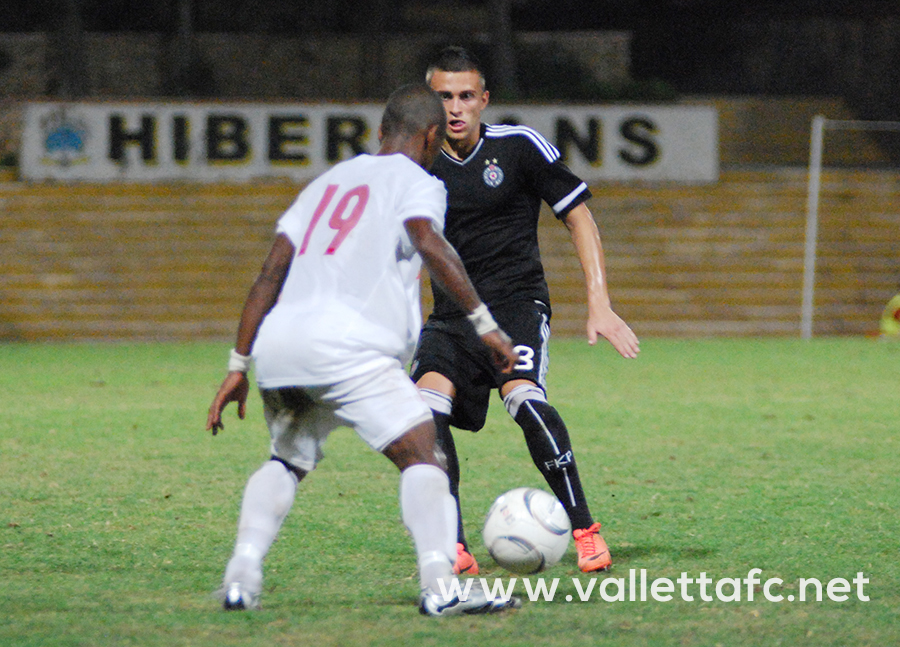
(814, 187)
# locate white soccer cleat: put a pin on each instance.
(236, 598)
(434, 604)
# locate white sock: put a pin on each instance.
(429, 512)
(267, 500)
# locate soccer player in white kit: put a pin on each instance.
(331, 321)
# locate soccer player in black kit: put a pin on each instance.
(496, 177)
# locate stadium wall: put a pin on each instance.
(175, 261)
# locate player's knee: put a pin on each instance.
(522, 394)
(437, 401)
(293, 470)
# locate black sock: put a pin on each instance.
(548, 441)
(448, 447)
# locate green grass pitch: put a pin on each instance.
(702, 456)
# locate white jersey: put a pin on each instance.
(350, 301)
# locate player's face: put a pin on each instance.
(464, 98)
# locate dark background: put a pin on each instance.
(689, 44)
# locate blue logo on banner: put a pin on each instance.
(65, 139)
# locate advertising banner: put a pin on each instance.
(212, 142)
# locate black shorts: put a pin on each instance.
(451, 347)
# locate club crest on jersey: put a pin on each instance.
(493, 174)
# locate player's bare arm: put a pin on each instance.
(447, 270)
(262, 297)
(601, 318)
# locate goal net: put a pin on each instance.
(851, 262)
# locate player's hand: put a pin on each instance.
(502, 352)
(607, 323)
(235, 388)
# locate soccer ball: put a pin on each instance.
(526, 530)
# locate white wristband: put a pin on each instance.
(238, 362)
(482, 320)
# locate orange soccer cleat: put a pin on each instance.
(465, 562)
(593, 553)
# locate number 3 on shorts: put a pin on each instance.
(526, 358)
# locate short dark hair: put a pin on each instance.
(455, 59)
(412, 109)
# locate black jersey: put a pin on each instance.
(493, 203)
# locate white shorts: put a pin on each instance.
(381, 406)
